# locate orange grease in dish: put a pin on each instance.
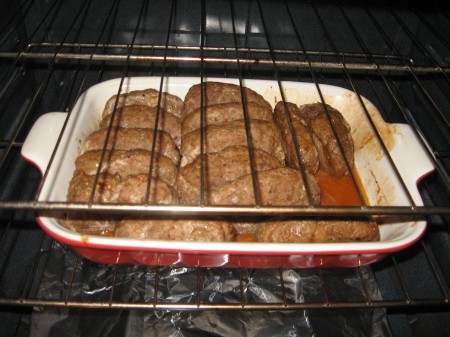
(247, 237)
(339, 191)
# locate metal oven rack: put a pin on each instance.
(50, 52)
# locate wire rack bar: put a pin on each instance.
(144, 59)
(424, 303)
(409, 211)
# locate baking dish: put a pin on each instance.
(381, 184)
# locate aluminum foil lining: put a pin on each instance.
(68, 277)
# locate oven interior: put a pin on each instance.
(52, 51)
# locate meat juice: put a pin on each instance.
(339, 191)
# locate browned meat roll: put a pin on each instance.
(183, 229)
(277, 187)
(218, 93)
(222, 113)
(330, 155)
(132, 139)
(112, 188)
(140, 116)
(220, 168)
(307, 149)
(125, 163)
(265, 136)
(148, 97)
(322, 231)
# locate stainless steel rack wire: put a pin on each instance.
(70, 296)
(48, 58)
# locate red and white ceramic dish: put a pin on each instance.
(381, 184)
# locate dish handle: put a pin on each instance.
(411, 158)
(42, 138)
